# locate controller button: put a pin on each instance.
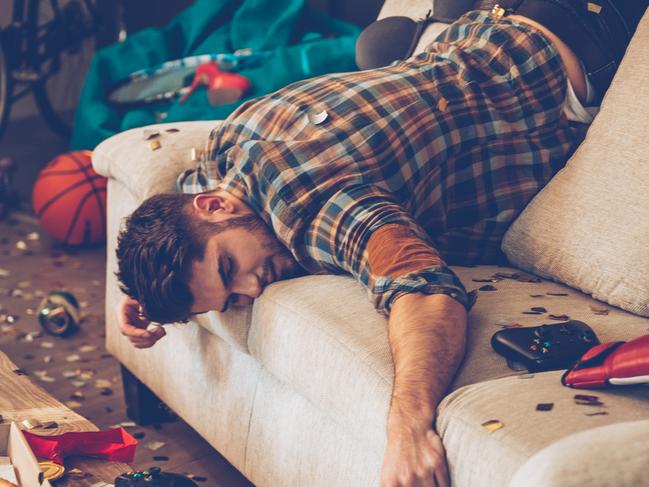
(547, 344)
(537, 340)
(544, 350)
(533, 347)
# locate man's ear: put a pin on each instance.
(208, 203)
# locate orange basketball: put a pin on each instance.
(69, 199)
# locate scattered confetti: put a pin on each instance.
(492, 425)
(154, 145)
(545, 406)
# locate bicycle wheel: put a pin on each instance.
(5, 90)
(64, 42)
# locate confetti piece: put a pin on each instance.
(172, 130)
(599, 311)
(47, 359)
(599, 413)
(20, 372)
(557, 294)
(4, 273)
(139, 435)
(101, 383)
(106, 392)
(527, 278)
(68, 374)
(30, 424)
(486, 280)
(540, 309)
(77, 395)
(488, 287)
(154, 145)
(47, 345)
(73, 358)
(73, 404)
(586, 400)
(526, 376)
(442, 104)
(532, 313)
(559, 317)
(148, 134)
(545, 406)
(128, 424)
(88, 348)
(505, 275)
(87, 374)
(33, 236)
(21, 245)
(50, 425)
(160, 458)
(155, 445)
(492, 425)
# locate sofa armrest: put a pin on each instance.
(128, 158)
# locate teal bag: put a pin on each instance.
(298, 43)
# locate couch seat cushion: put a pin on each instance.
(321, 336)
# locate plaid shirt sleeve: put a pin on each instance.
(338, 238)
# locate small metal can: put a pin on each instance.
(58, 313)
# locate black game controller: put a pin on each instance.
(547, 347)
(153, 478)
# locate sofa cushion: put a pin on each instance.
(615, 454)
(479, 457)
(588, 227)
(321, 337)
(157, 170)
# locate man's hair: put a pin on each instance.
(156, 249)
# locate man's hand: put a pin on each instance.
(414, 457)
(134, 326)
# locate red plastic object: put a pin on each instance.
(611, 364)
(115, 445)
(222, 87)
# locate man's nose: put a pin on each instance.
(249, 287)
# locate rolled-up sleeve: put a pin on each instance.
(364, 231)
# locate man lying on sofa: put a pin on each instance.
(388, 174)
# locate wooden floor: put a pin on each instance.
(70, 368)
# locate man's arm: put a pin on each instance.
(427, 336)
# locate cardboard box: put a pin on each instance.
(14, 446)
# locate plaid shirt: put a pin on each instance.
(451, 144)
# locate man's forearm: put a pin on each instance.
(427, 336)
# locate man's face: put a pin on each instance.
(238, 262)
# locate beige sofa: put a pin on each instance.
(294, 391)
